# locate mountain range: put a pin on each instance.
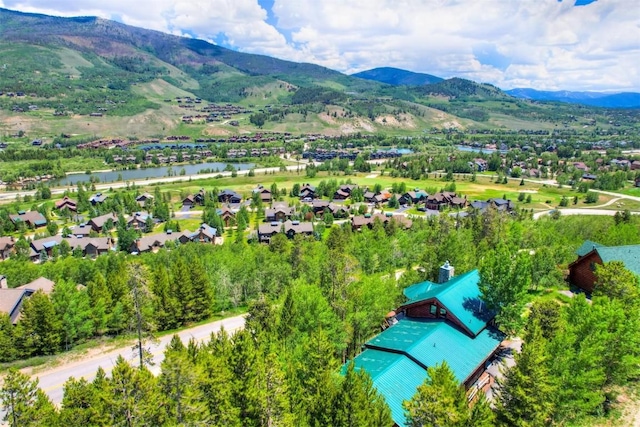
(595, 99)
(397, 77)
(74, 67)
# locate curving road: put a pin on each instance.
(52, 380)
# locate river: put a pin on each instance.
(151, 172)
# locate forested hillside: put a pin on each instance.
(311, 306)
(91, 76)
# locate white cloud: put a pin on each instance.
(544, 44)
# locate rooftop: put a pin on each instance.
(397, 358)
(460, 295)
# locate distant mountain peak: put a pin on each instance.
(397, 77)
(594, 99)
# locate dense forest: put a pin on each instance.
(312, 304)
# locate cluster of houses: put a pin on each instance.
(254, 152)
(320, 155)
(174, 157)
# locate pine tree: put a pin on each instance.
(8, 350)
(358, 404)
(217, 384)
(439, 402)
(40, 328)
(179, 384)
(24, 404)
(526, 392)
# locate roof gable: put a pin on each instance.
(460, 295)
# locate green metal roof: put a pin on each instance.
(460, 295)
(629, 255)
(587, 247)
(397, 358)
(395, 376)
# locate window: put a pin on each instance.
(433, 310)
(443, 312)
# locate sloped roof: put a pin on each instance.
(397, 358)
(460, 295)
(587, 247)
(629, 255)
(41, 283)
(395, 376)
(10, 300)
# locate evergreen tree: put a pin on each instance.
(526, 392)
(358, 404)
(178, 382)
(40, 328)
(8, 351)
(439, 402)
(24, 404)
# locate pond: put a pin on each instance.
(152, 172)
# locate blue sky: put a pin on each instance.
(544, 44)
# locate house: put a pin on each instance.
(138, 221)
(439, 322)
(265, 193)
(344, 191)
(142, 198)
(98, 198)
(31, 219)
(90, 246)
(319, 206)
(98, 223)
(11, 300)
(412, 197)
(82, 230)
(67, 203)
(204, 234)
(280, 212)
(502, 205)
(154, 242)
(359, 221)
(478, 164)
(308, 193)
(337, 210)
(377, 198)
(635, 165)
(439, 201)
(290, 228)
(582, 270)
(194, 199)
(188, 202)
(40, 284)
(227, 215)
(7, 244)
(229, 196)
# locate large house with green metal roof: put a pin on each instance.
(439, 322)
(582, 270)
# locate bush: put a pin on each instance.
(591, 197)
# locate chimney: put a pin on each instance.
(446, 272)
(3, 282)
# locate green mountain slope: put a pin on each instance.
(56, 74)
(397, 77)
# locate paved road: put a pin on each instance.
(52, 380)
(581, 211)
